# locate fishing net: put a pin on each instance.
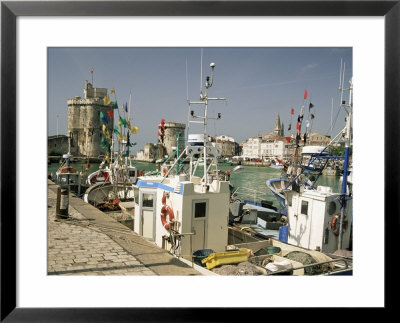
(242, 269)
(307, 259)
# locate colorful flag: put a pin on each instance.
(122, 121)
(310, 106)
(112, 91)
(104, 128)
(107, 100)
(305, 94)
(91, 71)
(101, 116)
(105, 118)
(115, 105)
(292, 111)
(110, 114)
(126, 107)
(116, 130)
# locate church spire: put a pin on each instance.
(278, 131)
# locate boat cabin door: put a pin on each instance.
(199, 223)
(147, 214)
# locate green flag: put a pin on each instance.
(116, 130)
(115, 105)
(123, 122)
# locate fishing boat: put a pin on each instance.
(278, 164)
(112, 182)
(318, 218)
(176, 209)
(188, 214)
(67, 176)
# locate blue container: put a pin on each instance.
(284, 233)
(199, 255)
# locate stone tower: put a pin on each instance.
(278, 130)
(84, 114)
(172, 129)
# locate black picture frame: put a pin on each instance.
(10, 10)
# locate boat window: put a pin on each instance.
(131, 173)
(304, 207)
(147, 200)
(200, 210)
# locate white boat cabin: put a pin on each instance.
(196, 212)
(314, 219)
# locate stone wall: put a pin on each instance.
(57, 144)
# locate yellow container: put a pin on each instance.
(226, 258)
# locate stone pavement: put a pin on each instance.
(90, 242)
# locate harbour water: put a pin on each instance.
(250, 182)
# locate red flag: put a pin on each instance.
(110, 113)
(305, 94)
(292, 111)
(91, 71)
(298, 126)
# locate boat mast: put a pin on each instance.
(348, 107)
(204, 100)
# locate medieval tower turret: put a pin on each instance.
(278, 130)
(84, 124)
(173, 130)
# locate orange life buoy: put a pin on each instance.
(335, 224)
(166, 211)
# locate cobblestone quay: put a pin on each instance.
(89, 242)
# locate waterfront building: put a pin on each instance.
(85, 121)
(318, 139)
(251, 148)
(276, 147)
(226, 144)
(268, 145)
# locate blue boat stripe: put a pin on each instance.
(142, 183)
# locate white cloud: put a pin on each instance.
(308, 67)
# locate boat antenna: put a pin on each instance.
(201, 73)
(187, 100)
(331, 116)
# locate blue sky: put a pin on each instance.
(257, 82)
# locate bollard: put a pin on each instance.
(62, 203)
